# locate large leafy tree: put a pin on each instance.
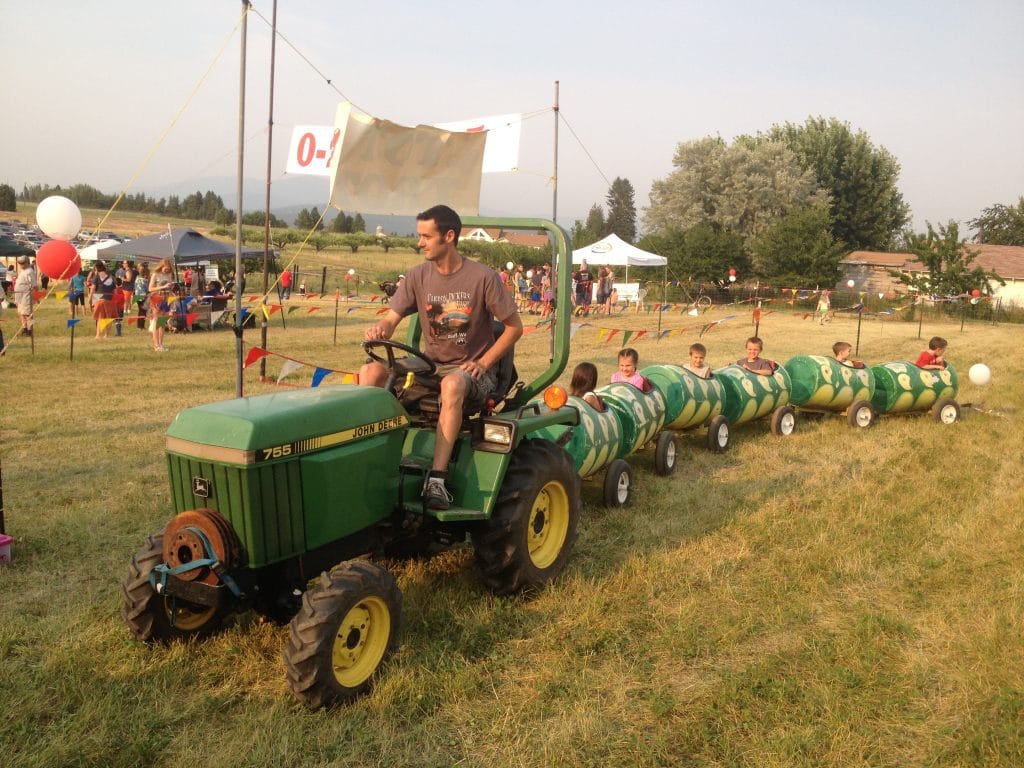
(744, 188)
(1001, 224)
(800, 250)
(947, 261)
(621, 210)
(701, 254)
(868, 211)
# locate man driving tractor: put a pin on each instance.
(457, 300)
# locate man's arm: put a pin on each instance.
(513, 330)
(384, 327)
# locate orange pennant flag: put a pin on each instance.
(311, 310)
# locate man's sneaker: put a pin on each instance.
(435, 495)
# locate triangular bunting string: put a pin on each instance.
(289, 367)
(254, 354)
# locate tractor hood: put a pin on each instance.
(305, 419)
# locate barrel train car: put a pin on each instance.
(680, 401)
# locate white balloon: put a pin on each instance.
(59, 218)
(509, 266)
(732, 278)
(529, 273)
(352, 271)
(979, 374)
(850, 283)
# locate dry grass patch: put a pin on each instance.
(839, 597)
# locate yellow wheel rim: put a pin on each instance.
(361, 642)
(187, 617)
(549, 524)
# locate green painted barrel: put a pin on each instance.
(749, 396)
(595, 440)
(690, 401)
(902, 387)
(821, 382)
(640, 415)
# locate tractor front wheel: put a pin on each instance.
(155, 618)
(527, 540)
(348, 626)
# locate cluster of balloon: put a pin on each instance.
(979, 374)
(732, 275)
(60, 219)
(975, 296)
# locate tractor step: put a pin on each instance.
(450, 515)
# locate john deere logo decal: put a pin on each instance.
(201, 487)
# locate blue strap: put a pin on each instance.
(210, 560)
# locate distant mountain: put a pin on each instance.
(290, 194)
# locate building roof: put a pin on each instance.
(1007, 261)
(525, 238)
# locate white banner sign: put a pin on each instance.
(310, 150)
(502, 151)
(380, 167)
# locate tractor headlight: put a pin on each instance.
(496, 436)
(498, 433)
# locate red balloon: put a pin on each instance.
(975, 293)
(732, 271)
(58, 260)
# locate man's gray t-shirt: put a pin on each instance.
(455, 310)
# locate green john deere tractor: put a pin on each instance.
(282, 501)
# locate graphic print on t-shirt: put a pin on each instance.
(449, 316)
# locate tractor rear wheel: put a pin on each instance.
(153, 618)
(527, 540)
(665, 454)
(348, 626)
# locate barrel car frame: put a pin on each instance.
(679, 402)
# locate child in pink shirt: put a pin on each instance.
(627, 373)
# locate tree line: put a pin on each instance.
(785, 206)
(203, 206)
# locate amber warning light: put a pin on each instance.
(555, 397)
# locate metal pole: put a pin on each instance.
(920, 314)
(238, 210)
(337, 296)
(266, 212)
(72, 356)
(860, 316)
(554, 194)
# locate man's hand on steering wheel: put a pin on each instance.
(370, 346)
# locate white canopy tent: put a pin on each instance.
(613, 251)
(95, 251)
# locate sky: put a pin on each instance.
(90, 90)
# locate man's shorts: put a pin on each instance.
(477, 391)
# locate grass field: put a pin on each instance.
(834, 598)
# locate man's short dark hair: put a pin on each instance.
(445, 218)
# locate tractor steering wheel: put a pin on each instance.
(390, 346)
